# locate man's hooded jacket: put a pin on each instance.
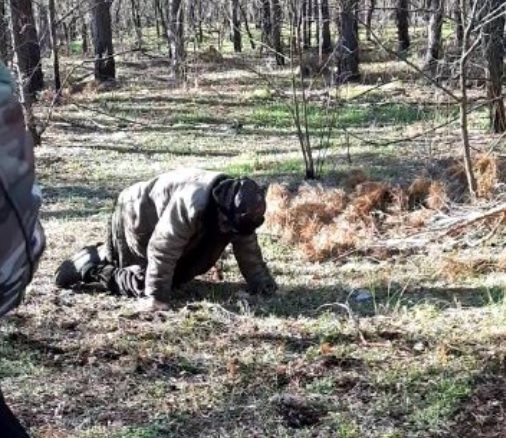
(169, 225)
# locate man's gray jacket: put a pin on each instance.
(168, 225)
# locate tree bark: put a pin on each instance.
(246, 26)
(26, 46)
(348, 49)
(54, 45)
(136, 18)
(402, 20)
(176, 38)
(324, 19)
(459, 27)
(434, 38)
(43, 29)
(235, 24)
(368, 19)
(266, 23)
(494, 52)
(276, 26)
(4, 34)
(105, 67)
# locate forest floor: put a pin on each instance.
(354, 347)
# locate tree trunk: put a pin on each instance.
(305, 24)
(368, 19)
(494, 52)
(235, 24)
(136, 18)
(200, 31)
(163, 23)
(348, 50)
(266, 23)
(105, 67)
(277, 45)
(26, 46)
(246, 26)
(459, 27)
(402, 20)
(84, 37)
(54, 45)
(434, 38)
(427, 5)
(325, 39)
(4, 34)
(176, 38)
(43, 29)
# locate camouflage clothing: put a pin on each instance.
(22, 237)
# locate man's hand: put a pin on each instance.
(147, 305)
(266, 287)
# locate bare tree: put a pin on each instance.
(105, 67)
(434, 38)
(136, 19)
(325, 44)
(348, 48)
(4, 33)
(176, 38)
(54, 44)
(235, 24)
(493, 38)
(276, 25)
(368, 18)
(402, 20)
(26, 45)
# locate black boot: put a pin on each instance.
(80, 267)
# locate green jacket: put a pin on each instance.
(167, 224)
(21, 235)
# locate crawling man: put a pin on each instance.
(166, 231)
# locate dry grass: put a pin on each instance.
(327, 221)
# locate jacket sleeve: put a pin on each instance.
(171, 235)
(252, 265)
(21, 235)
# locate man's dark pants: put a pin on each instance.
(10, 427)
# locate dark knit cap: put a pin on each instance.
(242, 201)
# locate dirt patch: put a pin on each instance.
(484, 413)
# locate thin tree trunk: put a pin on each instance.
(136, 18)
(266, 24)
(348, 49)
(157, 20)
(304, 22)
(464, 130)
(43, 29)
(325, 39)
(368, 19)
(235, 24)
(434, 38)
(494, 52)
(26, 45)
(459, 28)
(176, 39)
(402, 20)
(84, 37)
(200, 31)
(316, 19)
(54, 45)
(276, 32)
(105, 67)
(246, 26)
(4, 34)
